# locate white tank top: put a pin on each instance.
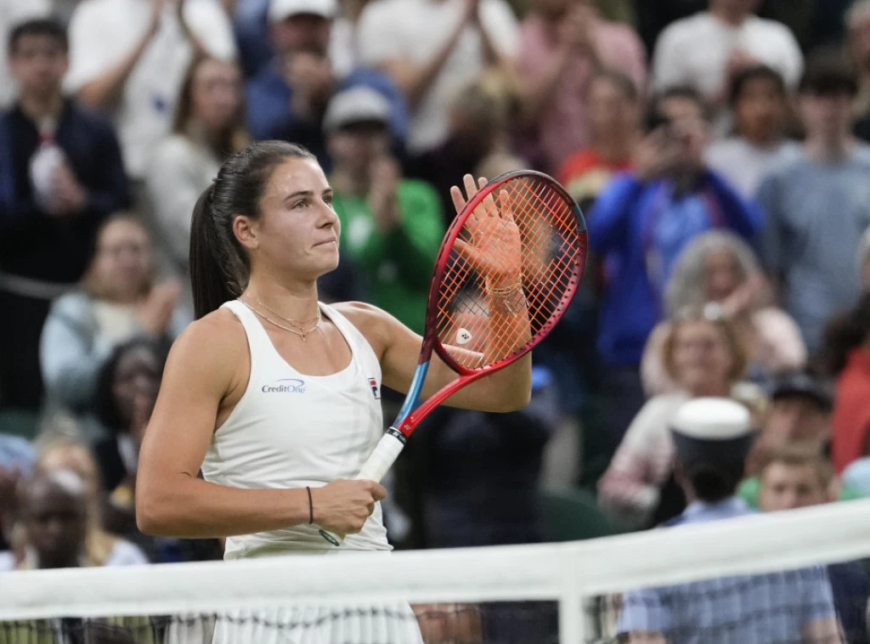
(292, 430)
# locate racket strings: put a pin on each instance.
(553, 253)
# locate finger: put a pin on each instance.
(470, 187)
(481, 182)
(504, 209)
(379, 492)
(458, 200)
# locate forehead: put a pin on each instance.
(793, 472)
(209, 69)
(138, 359)
(296, 175)
(680, 107)
(45, 497)
(37, 41)
(122, 229)
(696, 328)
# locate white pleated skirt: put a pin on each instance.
(334, 624)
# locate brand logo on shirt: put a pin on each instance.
(286, 386)
(376, 390)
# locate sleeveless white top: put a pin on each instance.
(292, 430)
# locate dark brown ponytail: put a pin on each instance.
(219, 265)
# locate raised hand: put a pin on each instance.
(494, 246)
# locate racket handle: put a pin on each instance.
(374, 469)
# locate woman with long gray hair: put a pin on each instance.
(720, 273)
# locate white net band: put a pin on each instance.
(572, 576)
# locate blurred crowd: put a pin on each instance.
(715, 147)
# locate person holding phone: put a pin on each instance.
(641, 223)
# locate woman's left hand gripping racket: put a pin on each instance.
(507, 270)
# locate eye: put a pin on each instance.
(327, 199)
(302, 203)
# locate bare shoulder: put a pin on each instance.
(374, 323)
(212, 346)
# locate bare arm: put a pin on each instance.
(575, 36)
(823, 631)
(203, 372)
(398, 349)
(415, 80)
(105, 90)
(495, 237)
(538, 90)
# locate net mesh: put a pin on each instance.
(791, 577)
(525, 225)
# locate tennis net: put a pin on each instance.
(763, 579)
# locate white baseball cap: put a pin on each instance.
(280, 10)
(356, 105)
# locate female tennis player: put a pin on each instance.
(273, 395)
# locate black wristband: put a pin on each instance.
(310, 507)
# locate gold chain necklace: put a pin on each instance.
(294, 323)
(301, 333)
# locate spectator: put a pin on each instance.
(251, 28)
(101, 548)
(119, 300)
(392, 227)
(478, 472)
(614, 106)
(705, 357)
(129, 58)
(12, 14)
(54, 517)
(707, 49)
(719, 270)
(209, 126)
(480, 131)
(639, 226)
(125, 395)
(759, 100)
(564, 44)
(712, 438)
(344, 50)
(431, 49)
(17, 457)
(799, 417)
(287, 99)
(817, 207)
(653, 16)
(60, 175)
(795, 479)
(847, 348)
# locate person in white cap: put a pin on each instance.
(287, 99)
(391, 226)
(713, 437)
(129, 57)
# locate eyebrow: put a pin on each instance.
(307, 193)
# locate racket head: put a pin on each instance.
(554, 247)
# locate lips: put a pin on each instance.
(326, 241)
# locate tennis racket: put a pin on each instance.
(522, 224)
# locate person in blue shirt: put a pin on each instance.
(712, 437)
(287, 99)
(640, 225)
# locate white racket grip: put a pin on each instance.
(382, 459)
(374, 469)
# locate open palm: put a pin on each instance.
(494, 247)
